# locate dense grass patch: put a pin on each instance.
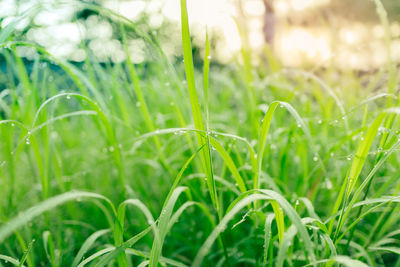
(165, 163)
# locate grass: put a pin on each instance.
(174, 164)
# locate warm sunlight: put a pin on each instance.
(131, 138)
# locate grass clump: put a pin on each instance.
(133, 165)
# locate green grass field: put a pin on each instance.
(162, 163)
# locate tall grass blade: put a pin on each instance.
(229, 162)
(162, 226)
(194, 102)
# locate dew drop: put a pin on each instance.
(138, 104)
(111, 149)
(348, 158)
(12, 124)
(299, 125)
(68, 97)
(328, 184)
(315, 158)
(332, 154)
(27, 141)
(209, 57)
(319, 121)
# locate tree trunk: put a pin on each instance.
(269, 22)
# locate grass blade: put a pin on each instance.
(26, 216)
(87, 244)
(194, 102)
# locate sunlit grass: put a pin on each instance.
(174, 164)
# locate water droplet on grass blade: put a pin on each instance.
(68, 97)
(138, 104)
(315, 158)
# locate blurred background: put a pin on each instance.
(300, 33)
